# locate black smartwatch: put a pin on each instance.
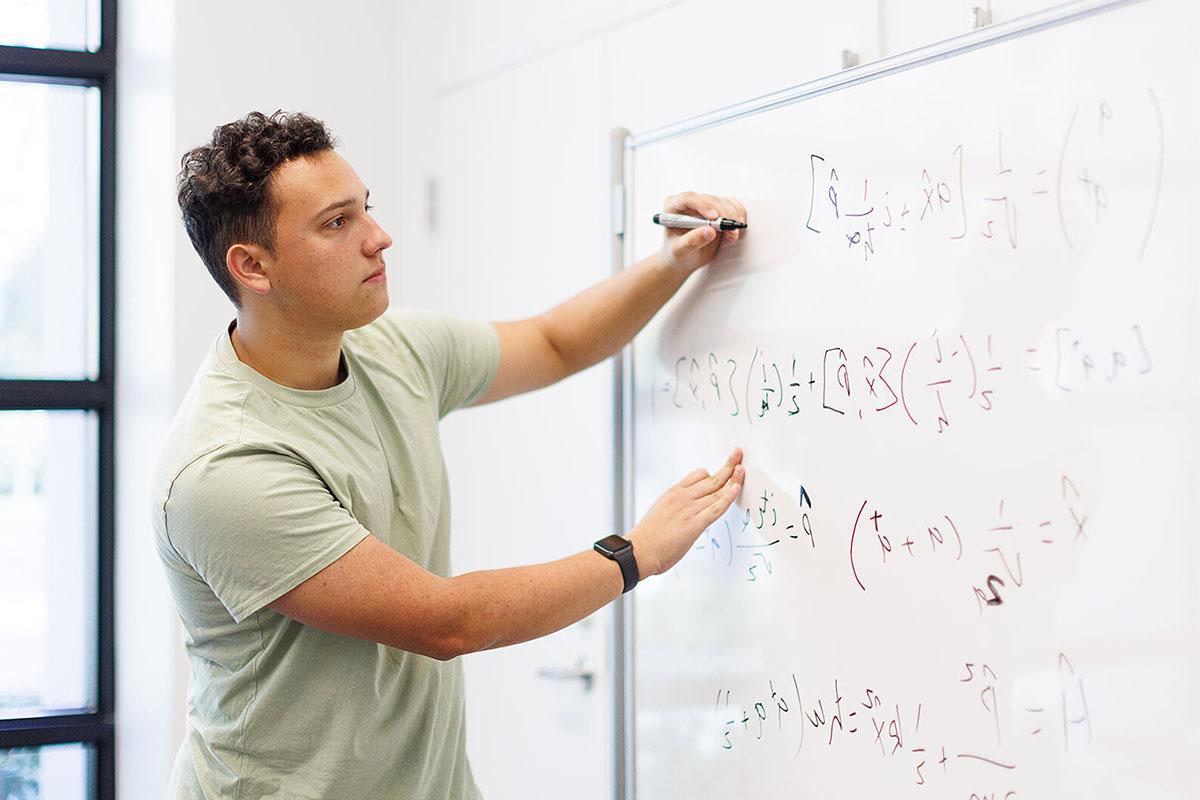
(620, 550)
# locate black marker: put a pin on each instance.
(684, 221)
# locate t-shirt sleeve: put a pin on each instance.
(255, 524)
(460, 356)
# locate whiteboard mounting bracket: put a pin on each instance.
(981, 16)
(618, 138)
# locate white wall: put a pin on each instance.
(149, 684)
(336, 62)
(506, 109)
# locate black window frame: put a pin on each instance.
(92, 727)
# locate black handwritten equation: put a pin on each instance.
(747, 539)
(922, 383)
(1072, 189)
(883, 543)
(896, 727)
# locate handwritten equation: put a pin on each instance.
(749, 536)
(895, 726)
(882, 542)
(921, 383)
(996, 204)
(879, 544)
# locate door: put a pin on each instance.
(519, 221)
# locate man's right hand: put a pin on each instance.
(677, 519)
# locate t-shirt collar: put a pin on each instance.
(311, 398)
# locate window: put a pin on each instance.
(57, 354)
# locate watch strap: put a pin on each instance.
(620, 550)
(629, 569)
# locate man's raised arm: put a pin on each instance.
(598, 322)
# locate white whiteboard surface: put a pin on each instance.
(959, 348)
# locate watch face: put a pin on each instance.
(613, 543)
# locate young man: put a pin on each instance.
(301, 507)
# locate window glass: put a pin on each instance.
(58, 772)
(58, 24)
(48, 567)
(49, 231)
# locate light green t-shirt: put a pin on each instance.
(259, 488)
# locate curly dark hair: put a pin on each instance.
(224, 185)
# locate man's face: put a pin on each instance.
(327, 268)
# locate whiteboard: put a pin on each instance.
(958, 346)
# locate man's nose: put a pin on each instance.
(378, 240)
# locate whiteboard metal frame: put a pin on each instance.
(622, 620)
(625, 745)
(948, 48)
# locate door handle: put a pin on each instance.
(577, 673)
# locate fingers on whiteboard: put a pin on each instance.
(724, 499)
(727, 492)
(732, 466)
(737, 479)
(727, 471)
(717, 488)
(711, 484)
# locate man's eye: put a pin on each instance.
(368, 207)
(337, 222)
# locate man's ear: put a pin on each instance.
(248, 264)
